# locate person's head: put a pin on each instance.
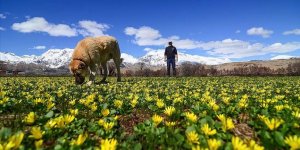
(170, 43)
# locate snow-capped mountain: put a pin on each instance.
(52, 58)
(55, 58)
(156, 58)
(128, 58)
(11, 57)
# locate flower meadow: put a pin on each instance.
(196, 113)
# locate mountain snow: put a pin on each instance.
(283, 57)
(156, 58)
(55, 58)
(128, 58)
(52, 58)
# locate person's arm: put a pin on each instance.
(176, 55)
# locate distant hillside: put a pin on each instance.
(272, 64)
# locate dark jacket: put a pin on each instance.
(170, 52)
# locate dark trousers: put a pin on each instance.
(171, 61)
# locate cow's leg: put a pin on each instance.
(104, 67)
(118, 62)
(92, 74)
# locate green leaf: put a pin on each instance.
(49, 114)
(104, 106)
(266, 135)
(58, 147)
(203, 121)
(190, 128)
(179, 138)
(113, 111)
(228, 146)
(138, 146)
(5, 133)
(279, 138)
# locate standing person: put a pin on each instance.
(171, 56)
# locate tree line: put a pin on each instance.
(196, 69)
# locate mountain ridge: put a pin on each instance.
(55, 58)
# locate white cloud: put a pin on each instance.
(227, 48)
(282, 48)
(283, 57)
(2, 16)
(295, 32)
(2, 29)
(92, 28)
(147, 49)
(147, 36)
(260, 31)
(39, 24)
(39, 47)
(238, 49)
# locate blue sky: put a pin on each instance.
(233, 29)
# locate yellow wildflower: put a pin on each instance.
(118, 103)
(254, 146)
(169, 110)
(226, 100)
(50, 104)
(296, 114)
(36, 133)
(72, 102)
(108, 125)
(160, 103)
(157, 119)
(50, 124)
(191, 116)
(109, 144)
(116, 117)
(207, 130)
(105, 112)
(37, 101)
(68, 118)
(74, 112)
(170, 123)
(238, 144)
(243, 102)
(214, 144)
(133, 102)
(60, 122)
(293, 142)
(221, 117)
(213, 105)
(59, 93)
(101, 122)
(38, 144)
(80, 140)
(227, 123)
(192, 137)
(15, 141)
(197, 147)
(100, 98)
(30, 118)
(273, 123)
(94, 106)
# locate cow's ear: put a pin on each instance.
(81, 65)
